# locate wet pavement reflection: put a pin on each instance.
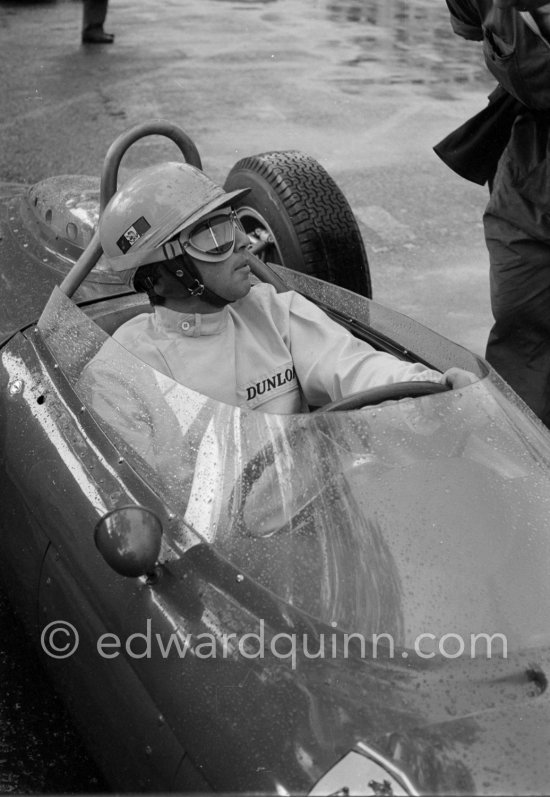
(407, 42)
(396, 41)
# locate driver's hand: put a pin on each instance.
(457, 378)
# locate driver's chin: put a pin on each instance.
(239, 294)
(234, 291)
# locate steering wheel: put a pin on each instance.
(376, 395)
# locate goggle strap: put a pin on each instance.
(189, 275)
(172, 249)
(197, 289)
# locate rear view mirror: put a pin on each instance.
(129, 540)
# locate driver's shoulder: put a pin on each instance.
(134, 328)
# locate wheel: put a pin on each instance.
(376, 395)
(301, 215)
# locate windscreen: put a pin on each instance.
(421, 517)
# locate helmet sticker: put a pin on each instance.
(133, 234)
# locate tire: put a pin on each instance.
(298, 204)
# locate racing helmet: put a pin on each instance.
(151, 208)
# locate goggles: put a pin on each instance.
(213, 238)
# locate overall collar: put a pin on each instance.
(191, 325)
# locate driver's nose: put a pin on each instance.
(241, 239)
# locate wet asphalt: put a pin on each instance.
(367, 87)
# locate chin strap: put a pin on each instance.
(188, 274)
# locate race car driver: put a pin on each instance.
(170, 231)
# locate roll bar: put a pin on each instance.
(109, 182)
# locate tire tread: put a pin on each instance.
(322, 218)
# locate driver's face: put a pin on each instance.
(229, 278)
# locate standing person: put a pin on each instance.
(516, 46)
(93, 18)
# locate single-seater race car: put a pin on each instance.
(353, 600)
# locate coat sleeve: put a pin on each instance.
(331, 363)
(466, 18)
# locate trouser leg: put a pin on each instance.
(94, 14)
(519, 342)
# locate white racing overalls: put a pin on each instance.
(277, 352)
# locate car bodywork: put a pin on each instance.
(341, 600)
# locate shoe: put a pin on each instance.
(97, 36)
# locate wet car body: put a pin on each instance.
(283, 536)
